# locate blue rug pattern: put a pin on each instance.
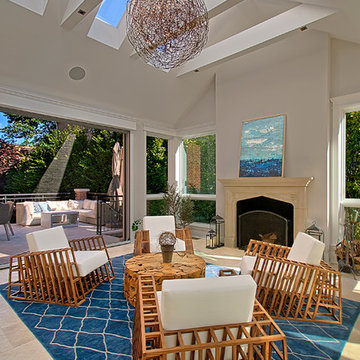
(101, 327)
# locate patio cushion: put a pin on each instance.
(306, 249)
(47, 239)
(37, 208)
(44, 206)
(90, 260)
(87, 204)
(247, 264)
(75, 204)
(188, 303)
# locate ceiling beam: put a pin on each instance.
(257, 36)
(214, 8)
(76, 11)
(37, 6)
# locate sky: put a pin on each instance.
(3, 120)
(111, 11)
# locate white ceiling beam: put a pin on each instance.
(76, 11)
(107, 34)
(36, 6)
(257, 36)
(214, 7)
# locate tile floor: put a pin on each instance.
(17, 342)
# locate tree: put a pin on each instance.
(156, 165)
(26, 130)
(9, 156)
(353, 154)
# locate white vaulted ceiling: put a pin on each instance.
(41, 40)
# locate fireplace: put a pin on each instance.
(262, 218)
(292, 191)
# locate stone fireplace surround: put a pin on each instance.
(290, 190)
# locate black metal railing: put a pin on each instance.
(35, 197)
(110, 215)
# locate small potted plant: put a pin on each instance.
(167, 241)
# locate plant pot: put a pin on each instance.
(167, 253)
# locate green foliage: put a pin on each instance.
(353, 154)
(156, 165)
(204, 210)
(207, 146)
(186, 212)
(89, 164)
(155, 207)
(172, 201)
(26, 130)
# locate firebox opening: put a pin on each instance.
(266, 219)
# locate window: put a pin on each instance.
(352, 173)
(200, 175)
(111, 11)
(156, 173)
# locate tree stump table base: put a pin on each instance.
(183, 266)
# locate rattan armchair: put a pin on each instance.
(147, 240)
(307, 289)
(256, 336)
(59, 271)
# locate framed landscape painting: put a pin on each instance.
(262, 147)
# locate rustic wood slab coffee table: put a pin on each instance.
(183, 266)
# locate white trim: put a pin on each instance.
(61, 109)
(210, 197)
(196, 131)
(341, 106)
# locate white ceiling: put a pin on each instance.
(37, 54)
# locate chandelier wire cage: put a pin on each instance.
(167, 33)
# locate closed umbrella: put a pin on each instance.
(117, 182)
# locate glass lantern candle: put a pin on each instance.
(218, 224)
(211, 239)
(315, 232)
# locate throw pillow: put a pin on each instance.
(37, 208)
(44, 206)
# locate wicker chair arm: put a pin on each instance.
(89, 243)
(142, 242)
(257, 247)
(185, 234)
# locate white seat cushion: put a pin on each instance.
(90, 260)
(247, 264)
(306, 249)
(188, 303)
(47, 239)
(156, 226)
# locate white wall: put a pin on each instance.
(296, 84)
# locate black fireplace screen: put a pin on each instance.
(262, 225)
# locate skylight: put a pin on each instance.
(111, 11)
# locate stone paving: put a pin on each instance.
(18, 244)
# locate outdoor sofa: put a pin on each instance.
(29, 212)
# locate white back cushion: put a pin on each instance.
(47, 239)
(189, 303)
(157, 225)
(306, 249)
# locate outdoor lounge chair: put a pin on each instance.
(6, 211)
(147, 240)
(207, 318)
(294, 283)
(59, 271)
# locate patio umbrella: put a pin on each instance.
(117, 182)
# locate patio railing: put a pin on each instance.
(34, 197)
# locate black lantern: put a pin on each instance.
(211, 240)
(315, 232)
(218, 224)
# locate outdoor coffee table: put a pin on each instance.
(183, 266)
(65, 218)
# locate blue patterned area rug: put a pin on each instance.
(101, 327)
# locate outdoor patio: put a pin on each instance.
(18, 244)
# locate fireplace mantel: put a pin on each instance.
(290, 190)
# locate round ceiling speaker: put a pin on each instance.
(77, 73)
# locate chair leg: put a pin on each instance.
(7, 232)
(11, 229)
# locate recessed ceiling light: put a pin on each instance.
(77, 73)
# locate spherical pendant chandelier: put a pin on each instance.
(167, 33)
